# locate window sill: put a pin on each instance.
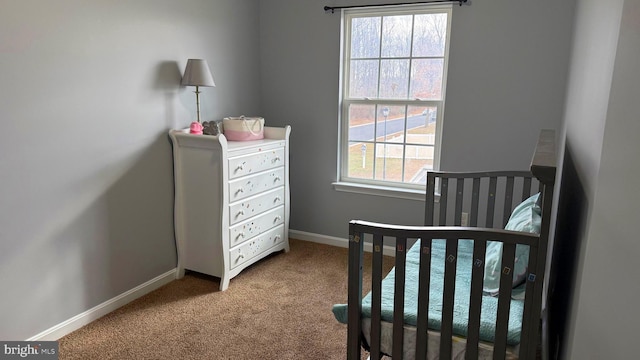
(377, 190)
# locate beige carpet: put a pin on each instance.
(279, 308)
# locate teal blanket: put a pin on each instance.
(462, 295)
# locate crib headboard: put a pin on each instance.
(487, 198)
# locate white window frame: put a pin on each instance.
(374, 186)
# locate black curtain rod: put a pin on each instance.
(334, 8)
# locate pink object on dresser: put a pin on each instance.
(196, 128)
(242, 135)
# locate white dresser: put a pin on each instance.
(231, 201)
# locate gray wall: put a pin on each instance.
(507, 78)
(88, 92)
(581, 139)
(603, 141)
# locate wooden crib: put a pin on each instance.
(500, 325)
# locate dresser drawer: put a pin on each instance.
(253, 163)
(255, 205)
(254, 184)
(253, 227)
(255, 246)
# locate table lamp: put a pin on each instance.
(197, 74)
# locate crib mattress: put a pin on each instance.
(462, 295)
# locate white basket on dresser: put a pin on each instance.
(231, 201)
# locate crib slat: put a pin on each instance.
(504, 301)
(459, 197)
(526, 188)
(430, 199)
(376, 294)
(446, 329)
(477, 275)
(354, 327)
(444, 192)
(398, 298)
(491, 201)
(528, 316)
(508, 200)
(475, 196)
(423, 299)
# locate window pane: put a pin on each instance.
(418, 159)
(430, 35)
(426, 79)
(390, 123)
(361, 122)
(421, 125)
(365, 37)
(363, 80)
(396, 36)
(360, 160)
(389, 162)
(394, 79)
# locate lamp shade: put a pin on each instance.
(197, 73)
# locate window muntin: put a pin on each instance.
(393, 94)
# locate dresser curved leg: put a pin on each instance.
(179, 272)
(224, 282)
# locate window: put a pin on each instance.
(394, 72)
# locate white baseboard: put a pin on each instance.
(80, 320)
(336, 241)
(66, 327)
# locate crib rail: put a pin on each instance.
(400, 235)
